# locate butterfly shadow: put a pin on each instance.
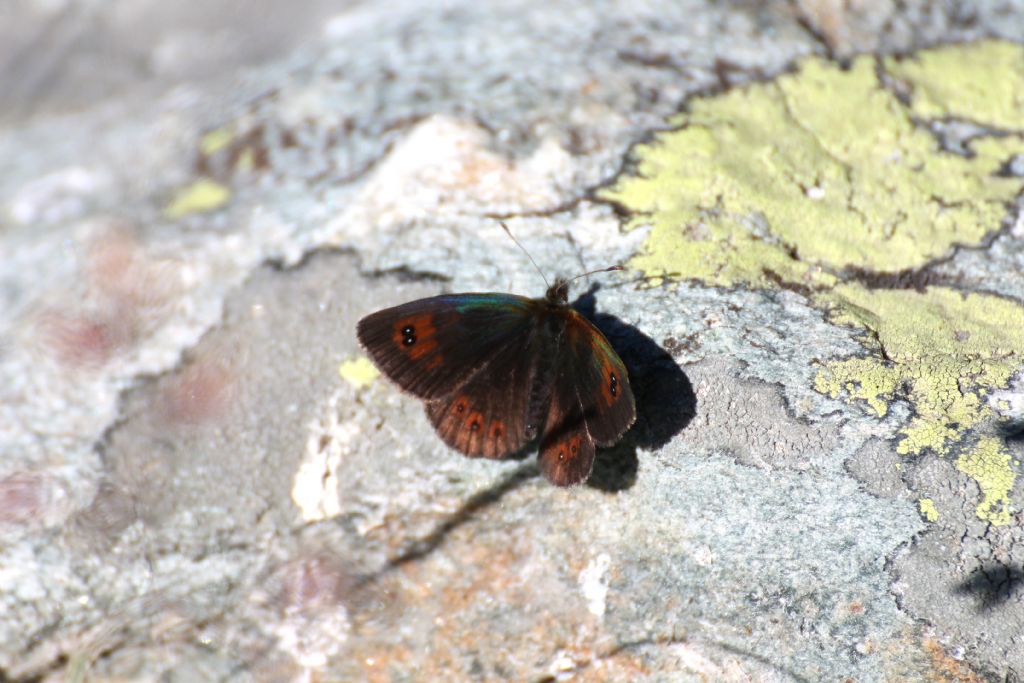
(422, 547)
(993, 584)
(665, 402)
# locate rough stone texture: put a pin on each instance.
(847, 27)
(189, 489)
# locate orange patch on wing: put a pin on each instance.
(422, 348)
(474, 418)
(569, 448)
(420, 329)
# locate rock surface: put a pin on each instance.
(822, 315)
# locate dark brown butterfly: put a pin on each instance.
(497, 370)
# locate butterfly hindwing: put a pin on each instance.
(566, 450)
(488, 416)
(430, 347)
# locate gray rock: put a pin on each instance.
(188, 489)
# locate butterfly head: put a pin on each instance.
(558, 293)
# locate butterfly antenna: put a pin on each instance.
(592, 272)
(509, 233)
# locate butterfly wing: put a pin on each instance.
(591, 403)
(489, 415)
(602, 381)
(430, 347)
(566, 449)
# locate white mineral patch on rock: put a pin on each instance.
(594, 583)
(315, 487)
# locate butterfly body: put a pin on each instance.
(498, 370)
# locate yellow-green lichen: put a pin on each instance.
(826, 172)
(359, 372)
(927, 507)
(941, 349)
(202, 196)
(216, 140)
(988, 463)
(863, 379)
(982, 82)
(800, 178)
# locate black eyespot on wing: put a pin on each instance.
(408, 335)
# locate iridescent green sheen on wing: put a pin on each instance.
(465, 303)
(605, 350)
(597, 346)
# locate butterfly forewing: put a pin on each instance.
(602, 381)
(430, 347)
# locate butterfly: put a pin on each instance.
(498, 370)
